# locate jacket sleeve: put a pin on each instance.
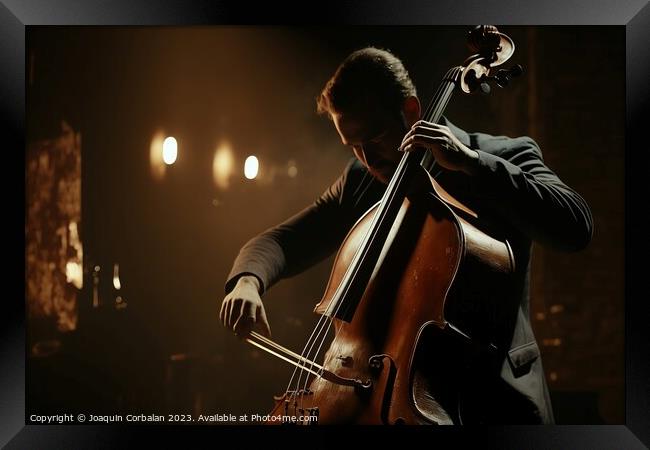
(296, 244)
(515, 181)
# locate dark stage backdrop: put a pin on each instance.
(253, 89)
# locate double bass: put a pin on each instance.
(412, 280)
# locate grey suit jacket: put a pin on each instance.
(513, 186)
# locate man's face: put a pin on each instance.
(374, 138)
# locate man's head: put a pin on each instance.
(372, 102)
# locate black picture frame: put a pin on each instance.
(634, 15)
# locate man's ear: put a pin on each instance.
(411, 110)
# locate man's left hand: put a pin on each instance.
(447, 149)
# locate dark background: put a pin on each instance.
(255, 86)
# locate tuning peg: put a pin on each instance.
(477, 84)
(516, 70)
(502, 79)
(503, 76)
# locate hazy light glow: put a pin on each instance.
(74, 274)
(292, 170)
(251, 167)
(74, 266)
(223, 166)
(157, 165)
(170, 150)
(116, 277)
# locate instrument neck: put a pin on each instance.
(360, 270)
(443, 94)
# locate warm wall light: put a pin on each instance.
(251, 167)
(157, 165)
(170, 150)
(74, 265)
(223, 165)
(292, 169)
(116, 277)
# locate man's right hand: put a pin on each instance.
(242, 309)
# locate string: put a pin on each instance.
(433, 112)
(322, 322)
(391, 192)
(345, 284)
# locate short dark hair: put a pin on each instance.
(369, 77)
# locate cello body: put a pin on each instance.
(417, 298)
(435, 267)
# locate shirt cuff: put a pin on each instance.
(232, 281)
(487, 162)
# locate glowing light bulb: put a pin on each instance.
(251, 167)
(116, 277)
(170, 150)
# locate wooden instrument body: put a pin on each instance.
(432, 255)
(439, 272)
